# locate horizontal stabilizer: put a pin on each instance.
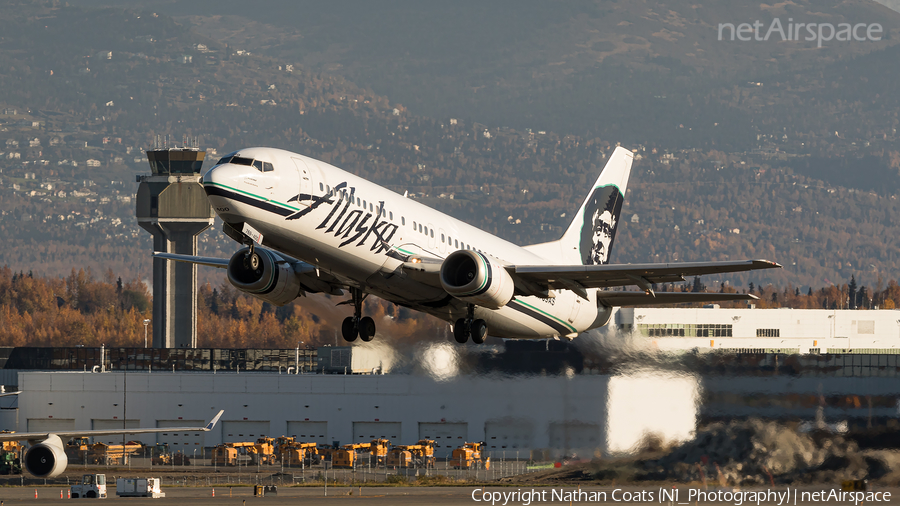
(666, 298)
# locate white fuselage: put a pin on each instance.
(362, 233)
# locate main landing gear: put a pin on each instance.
(469, 326)
(354, 326)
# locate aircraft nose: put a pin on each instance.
(220, 176)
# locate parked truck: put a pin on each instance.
(92, 486)
(139, 487)
(468, 456)
(419, 455)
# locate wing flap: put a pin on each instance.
(666, 298)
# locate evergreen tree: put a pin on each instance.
(851, 293)
(214, 302)
(698, 286)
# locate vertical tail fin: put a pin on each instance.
(589, 238)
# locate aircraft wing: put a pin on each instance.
(579, 277)
(220, 263)
(310, 277)
(664, 298)
(37, 436)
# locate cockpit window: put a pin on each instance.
(257, 164)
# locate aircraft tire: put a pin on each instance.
(366, 328)
(479, 331)
(349, 330)
(459, 331)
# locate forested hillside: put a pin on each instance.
(802, 169)
(81, 309)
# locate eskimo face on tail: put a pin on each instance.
(601, 217)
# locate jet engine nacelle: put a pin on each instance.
(265, 275)
(476, 279)
(604, 315)
(46, 459)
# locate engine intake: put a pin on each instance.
(46, 459)
(476, 279)
(265, 275)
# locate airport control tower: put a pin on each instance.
(172, 206)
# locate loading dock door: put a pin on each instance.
(446, 436)
(514, 437)
(309, 432)
(51, 425)
(363, 432)
(233, 432)
(184, 442)
(582, 439)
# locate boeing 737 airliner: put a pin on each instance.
(312, 227)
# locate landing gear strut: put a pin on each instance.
(469, 326)
(353, 326)
(251, 259)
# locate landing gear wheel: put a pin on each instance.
(349, 329)
(255, 261)
(459, 331)
(479, 331)
(366, 328)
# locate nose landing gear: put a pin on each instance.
(357, 325)
(470, 326)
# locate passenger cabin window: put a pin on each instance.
(364, 204)
(403, 220)
(321, 187)
(442, 238)
(414, 224)
(391, 216)
(456, 244)
(432, 232)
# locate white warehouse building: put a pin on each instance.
(513, 415)
(784, 330)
